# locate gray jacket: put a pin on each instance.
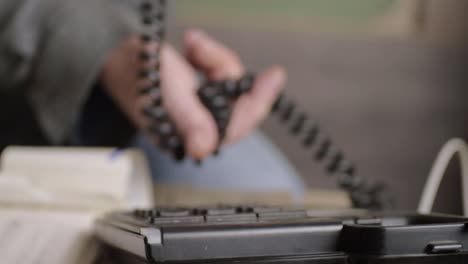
(51, 52)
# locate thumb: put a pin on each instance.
(192, 119)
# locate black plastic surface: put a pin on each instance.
(275, 235)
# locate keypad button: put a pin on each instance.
(176, 212)
(140, 213)
(231, 218)
(369, 221)
(221, 211)
(266, 209)
(281, 215)
(177, 220)
(199, 211)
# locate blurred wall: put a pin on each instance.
(368, 71)
(446, 20)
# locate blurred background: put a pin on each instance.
(385, 78)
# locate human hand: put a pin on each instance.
(179, 86)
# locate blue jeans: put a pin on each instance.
(253, 164)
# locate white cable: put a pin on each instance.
(436, 175)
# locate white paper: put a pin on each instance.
(46, 237)
(99, 179)
(93, 171)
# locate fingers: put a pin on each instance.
(216, 60)
(252, 108)
(220, 63)
(193, 121)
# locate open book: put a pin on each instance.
(50, 196)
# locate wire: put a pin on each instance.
(452, 147)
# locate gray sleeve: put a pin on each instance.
(52, 51)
